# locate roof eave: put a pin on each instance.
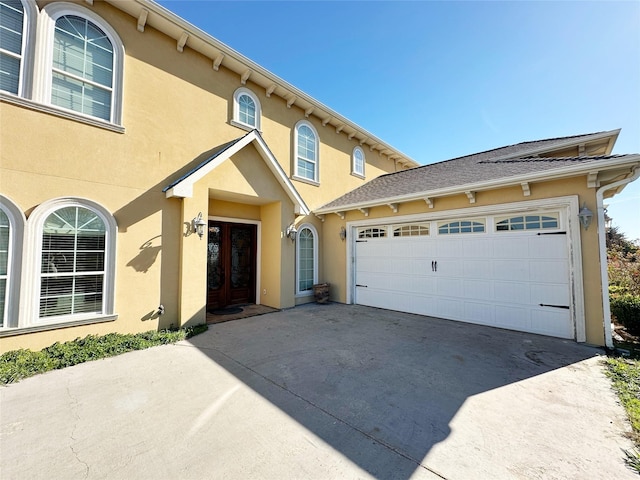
(631, 161)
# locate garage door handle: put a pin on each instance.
(363, 286)
(555, 306)
(434, 266)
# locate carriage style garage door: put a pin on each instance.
(509, 271)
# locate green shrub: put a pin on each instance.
(19, 364)
(626, 308)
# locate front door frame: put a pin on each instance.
(258, 225)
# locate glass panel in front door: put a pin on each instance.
(215, 279)
(241, 257)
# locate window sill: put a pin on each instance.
(243, 126)
(358, 175)
(51, 110)
(10, 332)
(306, 180)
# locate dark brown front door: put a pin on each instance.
(231, 264)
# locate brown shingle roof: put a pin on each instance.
(488, 166)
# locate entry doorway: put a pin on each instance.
(231, 264)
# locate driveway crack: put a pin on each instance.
(74, 411)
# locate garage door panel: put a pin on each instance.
(551, 321)
(477, 289)
(512, 292)
(477, 248)
(511, 247)
(514, 318)
(549, 271)
(554, 294)
(548, 246)
(510, 270)
(449, 287)
(497, 278)
(481, 269)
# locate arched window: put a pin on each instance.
(17, 32)
(81, 62)
(246, 109)
(357, 162)
(306, 156)
(11, 239)
(74, 253)
(306, 259)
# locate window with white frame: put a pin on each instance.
(11, 235)
(528, 222)
(16, 17)
(81, 61)
(306, 258)
(306, 145)
(5, 255)
(246, 108)
(358, 162)
(461, 226)
(74, 252)
(372, 232)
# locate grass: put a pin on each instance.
(19, 364)
(625, 377)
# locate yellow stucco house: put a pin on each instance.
(150, 173)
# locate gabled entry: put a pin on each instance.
(231, 264)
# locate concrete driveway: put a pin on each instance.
(323, 391)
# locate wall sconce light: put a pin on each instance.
(291, 232)
(198, 224)
(343, 233)
(585, 216)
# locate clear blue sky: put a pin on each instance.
(439, 80)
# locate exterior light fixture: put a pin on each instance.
(198, 224)
(291, 232)
(585, 216)
(343, 233)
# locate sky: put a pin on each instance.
(438, 80)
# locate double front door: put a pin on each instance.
(231, 264)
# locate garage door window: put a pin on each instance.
(414, 230)
(528, 222)
(372, 232)
(461, 226)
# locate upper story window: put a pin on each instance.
(81, 62)
(306, 145)
(15, 31)
(246, 108)
(357, 162)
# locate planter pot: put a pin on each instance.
(321, 292)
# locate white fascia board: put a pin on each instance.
(630, 161)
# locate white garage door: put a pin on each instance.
(504, 271)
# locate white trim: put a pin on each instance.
(14, 261)
(184, 188)
(316, 161)
(305, 293)
(602, 244)
(258, 225)
(567, 206)
(44, 58)
(236, 109)
(30, 296)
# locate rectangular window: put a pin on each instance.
(11, 27)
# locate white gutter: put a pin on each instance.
(606, 306)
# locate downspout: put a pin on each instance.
(606, 306)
